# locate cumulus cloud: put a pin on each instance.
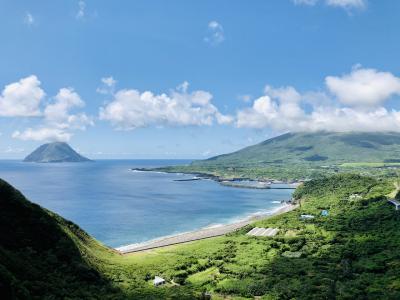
(215, 33)
(130, 109)
(25, 98)
(278, 108)
(58, 113)
(42, 134)
(364, 87)
(360, 107)
(58, 121)
(22, 98)
(108, 85)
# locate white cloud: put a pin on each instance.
(22, 98)
(305, 2)
(108, 85)
(364, 87)
(215, 33)
(283, 109)
(132, 109)
(348, 4)
(29, 19)
(57, 121)
(42, 134)
(81, 9)
(58, 113)
(278, 108)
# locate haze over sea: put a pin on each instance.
(119, 206)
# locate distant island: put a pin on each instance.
(55, 152)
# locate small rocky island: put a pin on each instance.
(55, 152)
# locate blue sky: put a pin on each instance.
(191, 79)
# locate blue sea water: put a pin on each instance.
(119, 206)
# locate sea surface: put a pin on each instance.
(119, 206)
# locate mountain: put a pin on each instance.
(319, 148)
(305, 155)
(42, 254)
(55, 152)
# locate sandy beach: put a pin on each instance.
(201, 233)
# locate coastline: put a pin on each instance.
(236, 182)
(203, 233)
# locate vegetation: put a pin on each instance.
(307, 155)
(350, 254)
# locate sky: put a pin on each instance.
(193, 79)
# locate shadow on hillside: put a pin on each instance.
(38, 259)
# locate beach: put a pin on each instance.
(200, 234)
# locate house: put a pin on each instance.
(306, 217)
(396, 203)
(324, 213)
(158, 281)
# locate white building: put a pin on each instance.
(158, 281)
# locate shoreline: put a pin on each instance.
(203, 233)
(236, 182)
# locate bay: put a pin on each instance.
(119, 206)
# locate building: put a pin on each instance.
(396, 203)
(158, 281)
(306, 217)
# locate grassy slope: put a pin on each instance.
(300, 155)
(352, 253)
(43, 256)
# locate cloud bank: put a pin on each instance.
(130, 109)
(25, 99)
(351, 102)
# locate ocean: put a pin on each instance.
(119, 206)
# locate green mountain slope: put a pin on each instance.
(305, 155)
(55, 152)
(320, 148)
(42, 254)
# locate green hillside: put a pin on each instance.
(350, 254)
(42, 254)
(307, 155)
(321, 148)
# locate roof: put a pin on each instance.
(307, 216)
(158, 279)
(256, 231)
